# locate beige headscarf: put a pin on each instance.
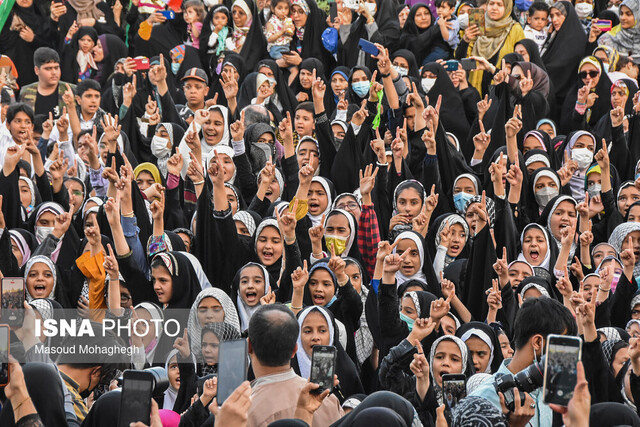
(86, 9)
(495, 33)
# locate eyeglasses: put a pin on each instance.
(124, 298)
(350, 205)
(593, 74)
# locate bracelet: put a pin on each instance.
(296, 308)
(290, 242)
(321, 255)
(128, 215)
(199, 182)
(603, 290)
(580, 103)
(20, 404)
(385, 75)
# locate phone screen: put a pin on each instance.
(454, 389)
(323, 364)
(136, 398)
(560, 373)
(4, 354)
(232, 367)
(12, 300)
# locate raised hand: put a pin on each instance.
(175, 162)
(617, 117)
(111, 264)
(61, 225)
(215, 171)
(514, 124)
(287, 222)
(300, 277)
(237, 129)
(440, 308)
(268, 298)
(432, 201)
(337, 265)
(157, 206)
(481, 142)
(378, 147)
(501, 267)
(445, 235)
(483, 106)
(182, 344)
(368, 179)
(494, 296)
(317, 232)
(602, 157)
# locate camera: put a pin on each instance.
(160, 380)
(527, 380)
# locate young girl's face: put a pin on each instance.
(534, 246)
(86, 43)
(210, 311)
(174, 373)
(458, 240)
(191, 15)
(251, 287)
(220, 20)
(314, 331)
(318, 199)
(321, 287)
(269, 246)
(411, 263)
(409, 202)
(210, 345)
(447, 360)
(355, 276)
(518, 272)
(282, 9)
(40, 280)
(408, 307)
(480, 353)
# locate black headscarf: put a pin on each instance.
(419, 41)
(45, 389)
(207, 30)
(114, 49)
(164, 37)
(105, 412)
(380, 399)
(484, 331)
(311, 46)
(533, 51)
(411, 59)
(352, 96)
(285, 95)
(609, 414)
(255, 44)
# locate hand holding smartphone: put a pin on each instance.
(367, 47)
(232, 367)
(323, 367)
(135, 403)
(560, 369)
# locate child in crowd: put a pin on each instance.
(537, 23)
(448, 22)
(279, 29)
(194, 14)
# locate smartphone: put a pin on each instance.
(451, 65)
(367, 47)
(333, 11)
(454, 389)
(169, 14)
(4, 355)
(12, 301)
(602, 24)
(142, 63)
(323, 367)
(232, 367)
(468, 64)
(476, 17)
(135, 401)
(560, 372)
(351, 4)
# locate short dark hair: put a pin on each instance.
(306, 106)
(543, 316)
(38, 120)
(85, 85)
(538, 6)
(623, 60)
(275, 2)
(451, 3)
(43, 55)
(273, 332)
(17, 108)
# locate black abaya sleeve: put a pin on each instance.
(245, 179)
(470, 98)
(141, 289)
(11, 199)
(8, 262)
(392, 329)
(344, 171)
(620, 309)
(292, 261)
(290, 171)
(505, 228)
(326, 144)
(480, 268)
(173, 214)
(188, 386)
(620, 155)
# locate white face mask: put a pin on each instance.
(42, 232)
(606, 67)
(544, 195)
(463, 20)
(615, 9)
(427, 83)
(159, 147)
(371, 7)
(584, 10)
(401, 70)
(582, 156)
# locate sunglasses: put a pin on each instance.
(593, 74)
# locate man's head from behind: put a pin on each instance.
(537, 318)
(47, 66)
(273, 333)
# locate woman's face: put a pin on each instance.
(531, 143)
(505, 346)
(145, 180)
(464, 185)
(545, 181)
(98, 52)
(628, 196)
(402, 16)
(307, 150)
(86, 43)
(337, 225)
(231, 197)
(557, 18)
(231, 72)
(24, 3)
(213, 128)
(306, 79)
(534, 246)
(458, 239)
(618, 97)
(423, 18)
(519, 48)
(411, 263)
(16, 251)
(635, 243)
(174, 373)
(634, 330)
(448, 325)
(359, 76)
(563, 216)
(269, 246)
(298, 16)
(621, 357)
(314, 331)
(518, 272)
(591, 78)
(321, 287)
(480, 353)
(40, 281)
(446, 360)
(239, 16)
(252, 285)
(495, 9)
(355, 276)
(400, 61)
(546, 127)
(25, 193)
(266, 71)
(318, 199)
(350, 204)
(588, 285)
(210, 345)
(145, 329)
(634, 214)
(601, 252)
(532, 167)
(210, 311)
(408, 308)
(627, 20)
(409, 203)
(338, 84)
(162, 284)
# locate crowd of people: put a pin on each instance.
(429, 187)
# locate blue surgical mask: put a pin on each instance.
(175, 66)
(460, 200)
(361, 88)
(406, 319)
(636, 176)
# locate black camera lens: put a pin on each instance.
(161, 380)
